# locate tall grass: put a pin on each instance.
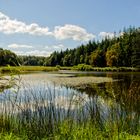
(84, 67)
(80, 67)
(42, 114)
(26, 69)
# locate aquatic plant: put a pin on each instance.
(42, 114)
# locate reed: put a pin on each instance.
(84, 67)
(25, 69)
(42, 114)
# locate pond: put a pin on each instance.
(106, 92)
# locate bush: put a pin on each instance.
(8, 69)
(83, 67)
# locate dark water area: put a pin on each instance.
(124, 90)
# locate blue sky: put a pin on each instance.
(39, 27)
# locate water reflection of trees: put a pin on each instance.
(121, 99)
(125, 92)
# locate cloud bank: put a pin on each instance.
(72, 32)
(106, 35)
(33, 53)
(9, 26)
(17, 46)
(47, 50)
(68, 31)
(55, 47)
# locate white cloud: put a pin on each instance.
(53, 47)
(12, 26)
(33, 53)
(106, 35)
(38, 53)
(60, 46)
(72, 32)
(45, 52)
(17, 46)
(19, 52)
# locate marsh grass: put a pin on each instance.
(80, 67)
(25, 69)
(84, 67)
(41, 114)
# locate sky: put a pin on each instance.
(40, 27)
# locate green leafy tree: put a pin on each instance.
(8, 58)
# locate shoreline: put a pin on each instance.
(82, 68)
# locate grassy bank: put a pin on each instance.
(66, 131)
(59, 118)
(83, 67)
(80, 67)
(46, 127)
(26, 69)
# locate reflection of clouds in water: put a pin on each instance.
(40, 90)
(34, 101)
(34, 88)
(73, 102)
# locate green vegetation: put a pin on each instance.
(8, 58)
(26, 69)
(65, 130)
(120, 51)
(47, 114)
(80, 67)
(83, 67)
(42, 114)
(42, 119)
(32, 60)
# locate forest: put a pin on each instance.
(8, 58)
(123, 50)
(120, 51)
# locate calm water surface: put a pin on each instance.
(123, 92)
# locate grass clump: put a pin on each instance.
(33, 117)
(84, 67)
(26, 69)
(13, 70)
(67, 130)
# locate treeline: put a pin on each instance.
(32, 60)
(120, 51)
(8, 58)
